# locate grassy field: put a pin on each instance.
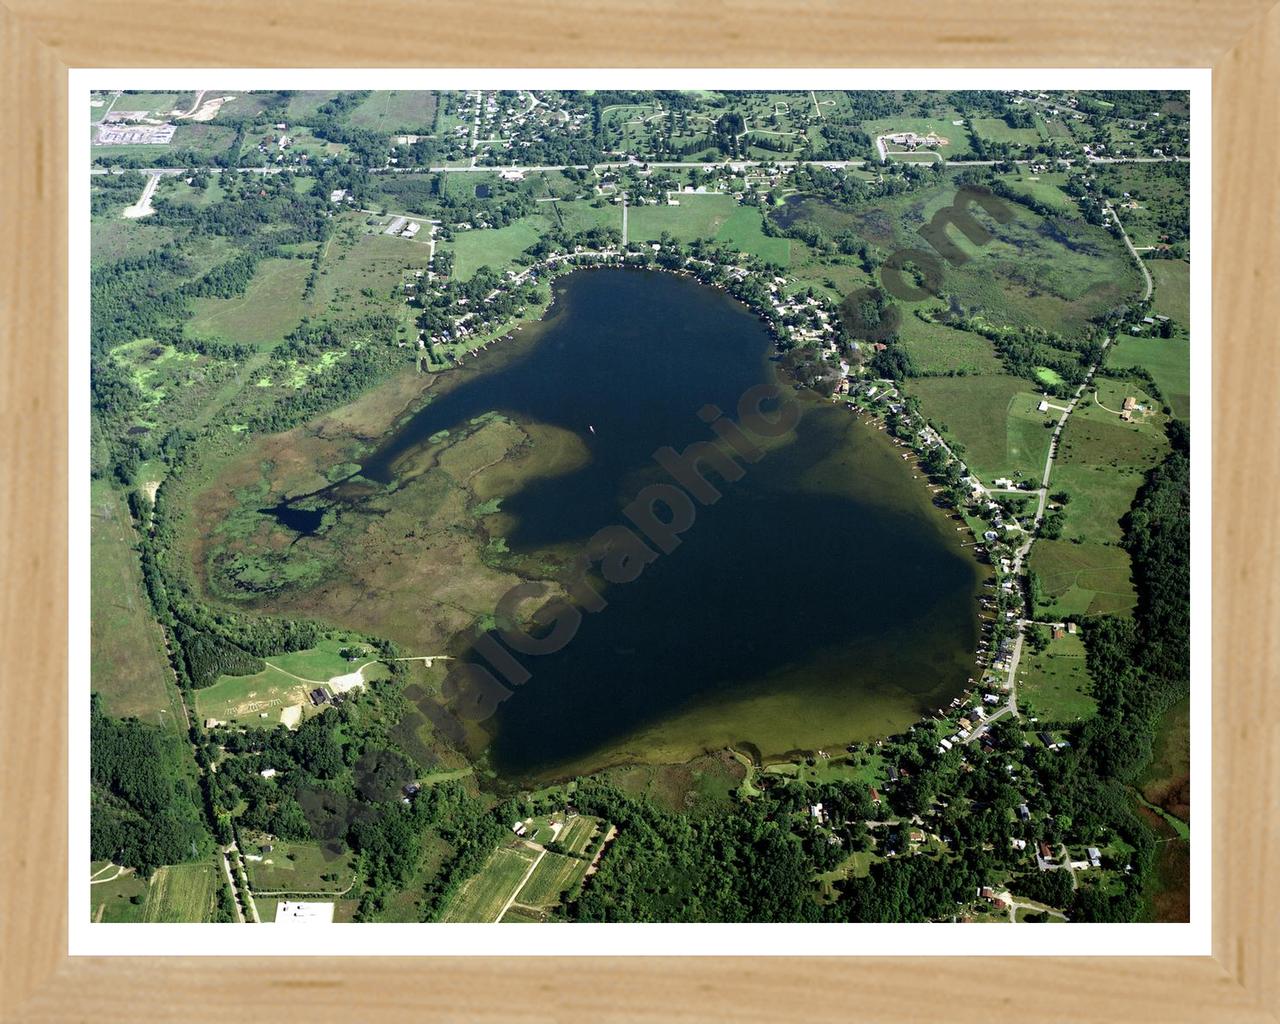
(271, 307)
(251, 700)
(258, 699)
(742, 231)
(1054, 684)
(1045, 188)
(113, 901)
(937, 348)
(995, 129)
(555, 875)
(1102, 461)
(491, 247)
(1082, 579)
(128, 663)
(182, 893)
(1172, 295)
(968, 410)
(483, 896)
(299, 868)
(697, 216)
(1169, 362)
(408, 111)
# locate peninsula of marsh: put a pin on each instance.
(822, 600)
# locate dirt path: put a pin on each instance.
(195, 104)
(507, 906)
(143, 207)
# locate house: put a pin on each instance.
(893, 774)
(318, 697)
(411, 230)
(1095, 857)
(875, 796)
(1045, 738)
(1129, 404)
(412, 789)
(268, 773)
(1059, 632)
(1045, 852)
(1024, 812)
(1018, 844)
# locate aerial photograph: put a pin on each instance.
(556, 506)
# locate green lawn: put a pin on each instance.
(484, 895)
(128, 663)
(1054, 684)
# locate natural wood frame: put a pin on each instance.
(40, 39)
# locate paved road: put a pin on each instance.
(732, 165)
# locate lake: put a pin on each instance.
(823, 600)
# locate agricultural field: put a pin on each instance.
(966, 409)
(182, 892)
(128, 661)
(1054, 684)
(1102, 460)
(554, 876)
(483, 897)
(578, 833)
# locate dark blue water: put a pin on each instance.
(820, 599)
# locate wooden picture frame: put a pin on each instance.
(41, 39)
